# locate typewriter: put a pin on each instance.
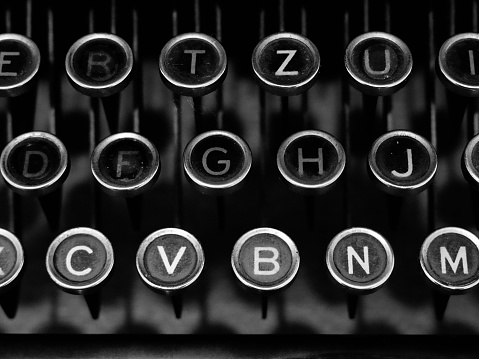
(239, 179)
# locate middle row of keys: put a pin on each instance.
(217, 162)
(169, 260)
(195, 64)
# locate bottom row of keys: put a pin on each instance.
(263, 259)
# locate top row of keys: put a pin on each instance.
(195, 64)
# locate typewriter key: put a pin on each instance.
(285, 64)
(456, 64)
(101, 65)
(19, 64)
(79, 261)
(470, 163)
(402, 163)
(11, 265)
(217, 162)
(168, 261)
(125, 164)
(449, 258)
(193, 64)
(360, 260)
(310, 161)
(378, 63)
(265, 260)
(35, 163)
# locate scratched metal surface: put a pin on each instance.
(216, 304)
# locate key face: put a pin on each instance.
(80, 260)
(265, 259)
(378, 63)
(11, 258)
(360, 260)
(169, 260)
(449, 258)
(193, 64)
(457, 65)
(402, 163)
(99, 64)
(19, 64)
(310, 161)
(217, 162)
(125, 164)
(286, 64)
(35, 163)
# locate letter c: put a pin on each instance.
(69, 260)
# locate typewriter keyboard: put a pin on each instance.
(255, 167)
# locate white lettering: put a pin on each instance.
(461, 255)
(193, 58)
(471, 62)
(272, 260)
(285, 63)
(170, 268)
(6, 62)
(26, 164)
(1, 271)
(364, 264)
(318, 160)
(120, 163)
(69, 260)
(387, 62)
(409, 166)
(99, 59)
(227, 163)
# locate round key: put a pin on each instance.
(449, 258)
(34, 163)
(193, 64)
(457, 64)
(285, 64)
(125, 164)
(19, 64)
(80, 260)
(402, 163)
(378, 63)
(310, 161)
(99, 64)
(170, 260)
(217, 162)
(360, 260)
(470, 162)
(11, 258)
(265, 260)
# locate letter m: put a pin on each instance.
(461, 255)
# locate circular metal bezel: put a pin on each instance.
(44, 188)
(226, 187)
(131, 190)
(377, 89)
(468, 169)
(67, 285)
(451, 289)
(290, 275)
(363, 288)
(396, 189)
(106, 88)
(458, 87)
(23, 86)
(285, 90)
(302, 187)
(187, 89)
(167, 289)
(19, 261)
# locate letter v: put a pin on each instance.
(170, 268)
